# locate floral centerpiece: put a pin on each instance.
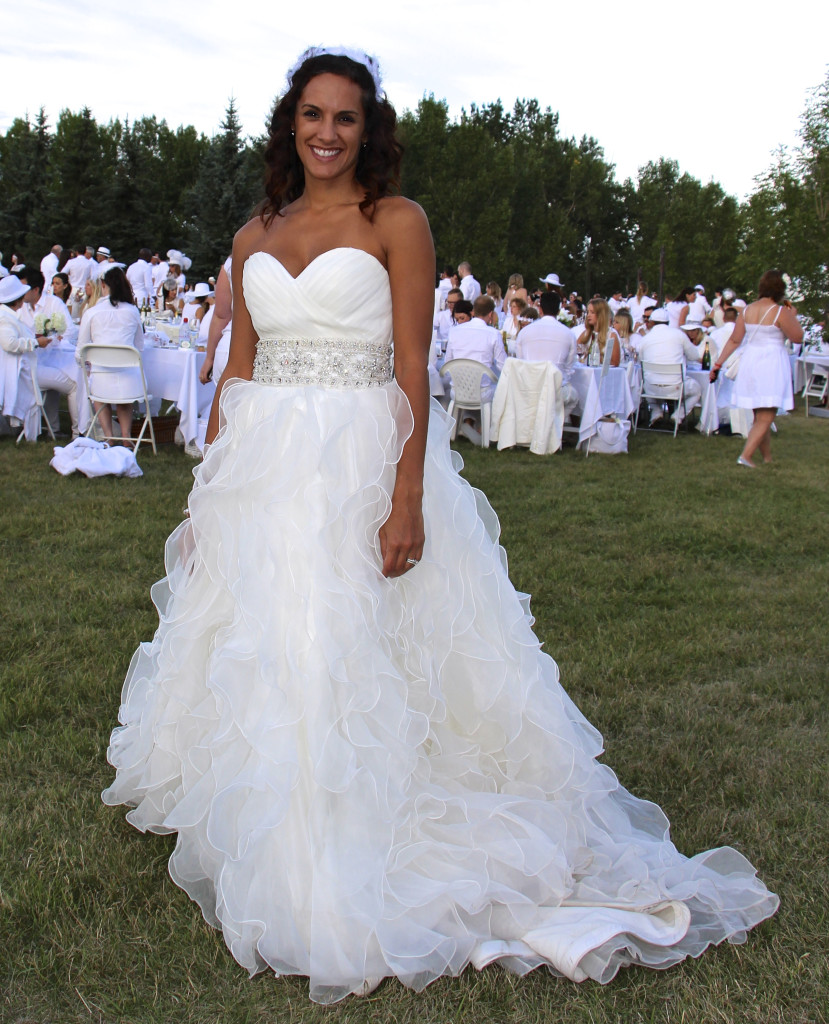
(566, 318)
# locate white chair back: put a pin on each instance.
(468, 378)
(115, 375)
(663, 382)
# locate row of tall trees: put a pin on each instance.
(503, 189)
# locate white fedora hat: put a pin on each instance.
(12, 289)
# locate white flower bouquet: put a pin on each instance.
(54, 324)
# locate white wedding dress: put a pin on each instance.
(373, 777)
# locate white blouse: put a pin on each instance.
(105, 324)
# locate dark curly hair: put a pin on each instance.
(378, 165)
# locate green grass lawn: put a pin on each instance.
(686, 601)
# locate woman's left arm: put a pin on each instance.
(410, 258)
(789, 324)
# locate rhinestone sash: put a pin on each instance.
(324, 362)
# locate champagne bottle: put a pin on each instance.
(706, 357)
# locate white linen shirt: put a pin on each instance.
(548, 340)
(78, 270)
(140, 276)
(105, 324)
(15, 336)
(160, 272)
(477, 340)
(665, 344)
(49, 267)
(470, 289)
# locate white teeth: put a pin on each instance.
(325, 152)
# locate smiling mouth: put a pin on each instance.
(324, 153)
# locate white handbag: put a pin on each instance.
(611, 437)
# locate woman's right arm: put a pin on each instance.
(243, 337)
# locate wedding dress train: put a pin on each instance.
(372, 777)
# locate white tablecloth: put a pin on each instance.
(608, 396)
(173, 375)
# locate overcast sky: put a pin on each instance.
(716, 86)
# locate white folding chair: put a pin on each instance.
(38, 399)
(817, 386)
(663, 390)
(111, 380)
(467, 387)
(20, 396)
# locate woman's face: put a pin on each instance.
(515, 308)
(329, 126)
(591, 315)
(88, 288)
(57, 286)
(462, 318)
(620, 325)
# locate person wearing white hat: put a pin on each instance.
(553, 283)
(103, 255)
(17, 398)
(176, 261)
(17, 337)
(469, 286)
(199, 304)
(666, 344)
(699, 308)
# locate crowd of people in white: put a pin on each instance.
(79, 297)
(89, 297)
(552, 325)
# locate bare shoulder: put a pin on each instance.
(249, 238)
(396, 213)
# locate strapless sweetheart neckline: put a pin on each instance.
(316, 259)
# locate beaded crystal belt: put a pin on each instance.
(325, 362)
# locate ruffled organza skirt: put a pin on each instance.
(373, 777)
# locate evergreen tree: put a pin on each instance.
(226, 191)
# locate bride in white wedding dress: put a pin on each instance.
(344, 715)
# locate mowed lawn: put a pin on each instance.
(686, 601)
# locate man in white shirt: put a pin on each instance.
(664, 344)
(444, 286)
(78, 269)
(470, 289)
(49, 265)
(160, 272)
(550, 341)
(446, 318)
(49, 378)
(140, 277)
(103, 255)
(477, 340)
(616, 302)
